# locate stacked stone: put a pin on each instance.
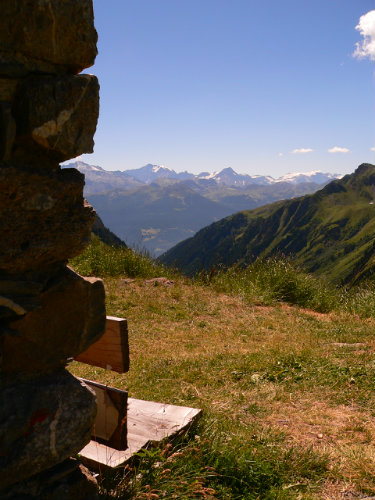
(48, 314)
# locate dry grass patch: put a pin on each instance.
(270, 378)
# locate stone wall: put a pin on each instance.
(48, 314)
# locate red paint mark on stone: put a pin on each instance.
(37, 418)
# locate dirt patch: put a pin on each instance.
(314, 423)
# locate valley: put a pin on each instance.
(330, 232)
(153, 208)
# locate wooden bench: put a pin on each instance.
(123, 426)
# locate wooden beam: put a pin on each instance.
(110, 425)
(111, 351)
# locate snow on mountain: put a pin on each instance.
(150, 173)
(263, 180)
(84, 167)
(316, 176)
(99, 179)
(160, 168)
(207, 175)
(229, 177)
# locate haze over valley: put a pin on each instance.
(154, 207)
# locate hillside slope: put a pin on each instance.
(148, 194)
(160, 215)
(105, 235)
(330, 232)
(154, 217)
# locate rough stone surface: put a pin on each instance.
(7, 131)
(18, 297)
(66, 481)
(8, 88)
(70, 318)
(42, 423)
(79, 485)
(56, 116)
(48, 313)
(50, 36)
(43, 219)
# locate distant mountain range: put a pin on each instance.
(98, 179)
(330, 232)
(154, 207)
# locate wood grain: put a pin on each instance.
(147, 422)
(111, 351)
(110, 426)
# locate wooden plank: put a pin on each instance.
(110, 426)
(97, 456)
(148, 422)
(156, 420)
(111, 351)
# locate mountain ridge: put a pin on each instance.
(227, 176)
(169, 207)
(329, 232)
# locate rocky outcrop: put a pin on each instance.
(48, 314)
(55, 117)
(80, 323)
(46, 36)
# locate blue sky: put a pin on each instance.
(201, 85)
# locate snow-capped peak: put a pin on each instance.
(157, 168)
(208, 175)
(84, 167)
(314, 176)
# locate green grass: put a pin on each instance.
(210, 467)
(266, 281)
(286, 392)
(102, 260)
(329, 233)
(272, 280)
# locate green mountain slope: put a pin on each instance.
(105, 235)
(331, 232)
(154, 217)
(159, 215)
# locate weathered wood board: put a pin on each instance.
(111, 351)
(110, 426)
(147, 422)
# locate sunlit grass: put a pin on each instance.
(102, 260)
(286, 392)
(272, 280)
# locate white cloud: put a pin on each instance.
(280, 154)
(302, 151)
(366, 27)
(337, 149)
(372, 149)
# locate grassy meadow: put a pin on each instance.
(281, 363)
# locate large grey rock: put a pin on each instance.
(50, 36)
(70, 318)
(42, 423)
(43, 220)
(56, 116)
